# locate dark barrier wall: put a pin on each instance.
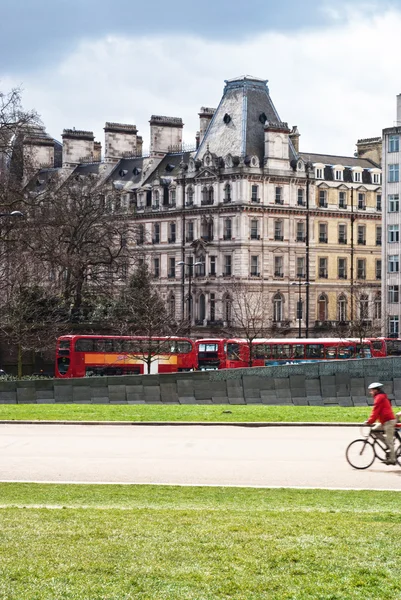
(341, 383)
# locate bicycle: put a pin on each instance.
(362, 452)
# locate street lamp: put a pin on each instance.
(190, 268)
(308, 170)
(299, 311)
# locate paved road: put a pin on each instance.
(266, 456)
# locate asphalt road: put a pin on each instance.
(195, 455)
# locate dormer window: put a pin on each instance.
(319, 173)
(338, 175)
(357, 176)
(376, 178)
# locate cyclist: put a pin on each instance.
(383, 412)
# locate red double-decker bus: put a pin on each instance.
(265, 352)
(88, 355)
(385, 346)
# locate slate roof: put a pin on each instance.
(247, 103)
(346, 161)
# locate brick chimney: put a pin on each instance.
(205, 116)
(294, 137)
(78, 146)
(120, 141)
(165, 135)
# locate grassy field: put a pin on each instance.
(205, 413)
(143, 542)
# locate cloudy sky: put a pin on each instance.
(334, 66)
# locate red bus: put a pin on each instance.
(211, 353)
(385, 346)
(88, 355)
(268, 352)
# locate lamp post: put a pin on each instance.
(308, 169)
(190, 268)
(299, 307)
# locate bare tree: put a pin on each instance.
(366, 318)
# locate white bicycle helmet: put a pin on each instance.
(375, 385)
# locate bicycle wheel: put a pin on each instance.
(360, 454)
(380, 450)
(398, 456)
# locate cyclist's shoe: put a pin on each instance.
(390, 462)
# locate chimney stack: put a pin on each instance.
(294, 137)
(97, 151)
(165, 135)
(399, 109)
(38, 149)
(120, 141)
(78, 146)
(205, 116)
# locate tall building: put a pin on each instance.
(245, 206)
(391, 225)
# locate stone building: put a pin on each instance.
(245, 205)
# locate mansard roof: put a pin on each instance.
(345, 161)
(237, 126)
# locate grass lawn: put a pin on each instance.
(145, 542)
(206, 413)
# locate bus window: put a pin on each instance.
(208, 347)
(262, 351)
(345, 352)
(393, 347)
(377, 345)
(84, 345)
(183, 347)
(233, 351)
(281, 351)
(298, 350)
(314, 351)
(63, 365)
(65, 344)
(331, 352)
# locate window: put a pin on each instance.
(342, 233)
(342, 308)
(378, 202)
(190, 196)
(300, 199)
(322, 307)
(393, 233)
(277, 308)
(361, 201)
(156, 199)
(338, 175)
(207, 229)
(227, 229)
(376, 178)
(357, 176)
(300, 231)
(255, 229)
(212, 265)
(227, 265)
(322, 198)
(323, 268)
(361, 268)
(156, 267)
(278, 230)
(202, 308)
(394, 143)
(172, 234)
(299, 310)
(377, 307)
(393, 325)
(393, 173)
(364, 307)
(156, 233)
(301, 273)
(210, 195)
(140, 238)
(255, 193)
(393, 294)
(227, 307)
(393, 263)
(278, 266)
(278, 198)
(393, 203)
(255, 266)
(342, 268)
(172, 197)
(227, 193)
(378, 269)
(362, 235)
(212, 307)
(201, 269)
(342, 200)
(190, 232)
(323, 233)
(319, 173)
(171, 306)
(378, 235)
(171, 267)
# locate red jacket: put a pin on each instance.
(382, 410)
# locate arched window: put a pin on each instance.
(342, 308)
(364, 307)
(210, 196)
(202, 307)
(378, 306)
(205, 195)
(190, 196)
(172, 196)
(171, 306)
(227, 193)
(322, 307)
(156, 198)
(278, 307)
(227, 308)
